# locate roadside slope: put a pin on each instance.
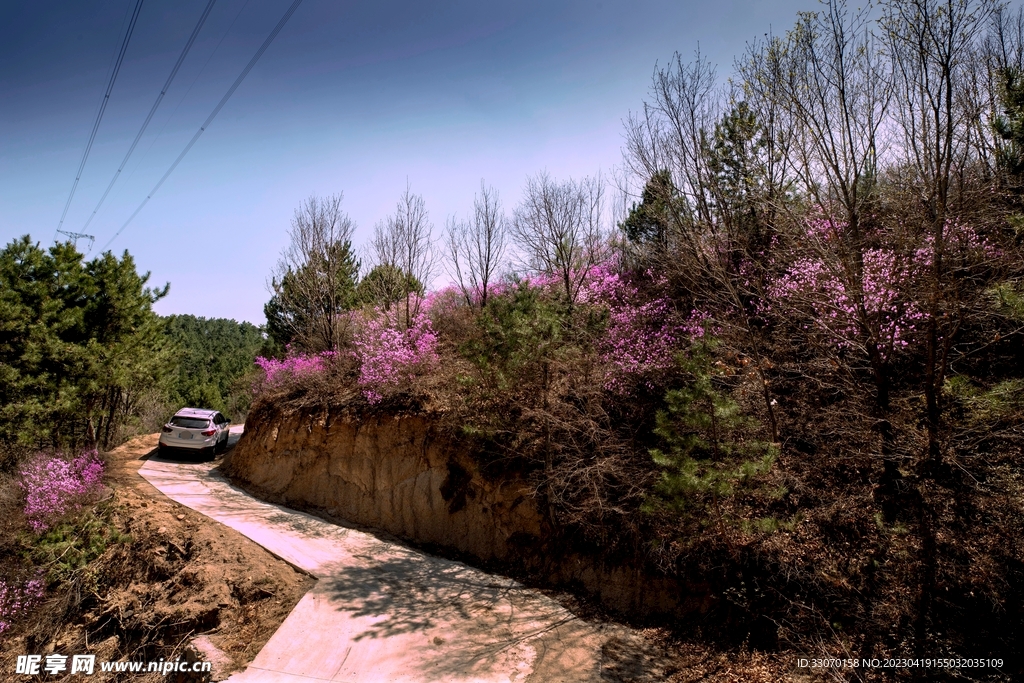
(178, 576)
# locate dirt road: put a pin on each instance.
(381, 611)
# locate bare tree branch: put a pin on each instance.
(475, 250)
(558, 228)
(403, 242)
(314, 281)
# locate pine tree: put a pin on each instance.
(79, 344)
(710, 451)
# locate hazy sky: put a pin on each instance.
(352, 97)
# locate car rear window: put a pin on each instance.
(189, 422)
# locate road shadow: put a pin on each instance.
(472, 623)
(179, 457)
(629, 658)
(184, 456)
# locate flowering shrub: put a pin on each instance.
(890, 315)
(14, 600)
(641, 336)
(884, 314)
(638, 342)
(962, 242)
(642, 333)
(389, 356)
(824, 228)
(444, 302)
(55, 486)
(276, 370)
(472, 295)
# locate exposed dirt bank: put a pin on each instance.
(178, 576)
(398, 474)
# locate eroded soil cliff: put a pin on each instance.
(399, 474)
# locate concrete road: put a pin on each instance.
(383, 612)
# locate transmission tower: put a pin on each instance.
(77, 236)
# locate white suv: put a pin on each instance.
(197, 430)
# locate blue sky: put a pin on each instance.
(351, 97)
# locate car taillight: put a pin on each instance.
(209, 432)
(167, 429)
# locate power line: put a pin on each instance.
(216, 110)
(149, 117)
(188, 90)
(99, 115)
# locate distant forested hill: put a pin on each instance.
(215, 356)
